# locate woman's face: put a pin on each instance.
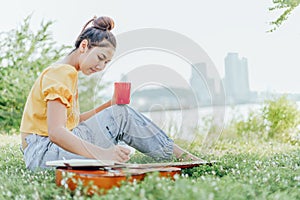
(95, 59)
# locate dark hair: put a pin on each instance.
(96, 33)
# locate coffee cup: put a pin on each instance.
(122, 92)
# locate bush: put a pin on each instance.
(23, 55)
(281, 116)
(278, 118)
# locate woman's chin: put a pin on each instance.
(87, 73)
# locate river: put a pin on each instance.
(186, 121)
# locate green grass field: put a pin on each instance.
(246, 170)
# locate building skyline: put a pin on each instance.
(203, 89)
(200, 83)
(236, 80)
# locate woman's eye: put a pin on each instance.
(100, 58)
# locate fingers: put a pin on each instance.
(124, 150)
(122, 153)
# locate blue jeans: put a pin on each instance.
(106, 128)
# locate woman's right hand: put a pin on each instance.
(117, 153)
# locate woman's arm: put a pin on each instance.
(60, 135)
(84, 116)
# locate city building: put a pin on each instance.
(199, 83)
(236, 79)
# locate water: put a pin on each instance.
(186, 121)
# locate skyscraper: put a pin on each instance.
(201, 84)
(236, 78)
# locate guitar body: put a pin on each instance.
(95, 179)
(95, 175)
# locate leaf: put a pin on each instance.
(288, 6)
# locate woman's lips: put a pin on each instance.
(93, 71)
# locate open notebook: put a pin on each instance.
(82, 163)
(114, 164)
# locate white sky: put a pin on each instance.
(218, 27)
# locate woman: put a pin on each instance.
(52, 127)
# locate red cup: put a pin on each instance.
(122, 92)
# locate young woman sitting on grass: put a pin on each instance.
(52, 127)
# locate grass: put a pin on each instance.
(246, 170)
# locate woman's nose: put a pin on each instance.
(101, 66)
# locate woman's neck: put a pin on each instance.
(71, 60)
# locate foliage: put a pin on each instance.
(278, 118)
(16, 182)
(282, 116)
(23, 55)
(237, 175)
(288, 6)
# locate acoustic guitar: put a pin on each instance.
(100, 174)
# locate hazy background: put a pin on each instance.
(218, 27)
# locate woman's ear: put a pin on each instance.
(83, 46)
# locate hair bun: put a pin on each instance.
(103, 23)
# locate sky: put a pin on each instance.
(218, 27)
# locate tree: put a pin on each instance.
(23, 55)
(288, 6)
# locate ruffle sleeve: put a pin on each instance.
(59, 83)
(58, 92)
